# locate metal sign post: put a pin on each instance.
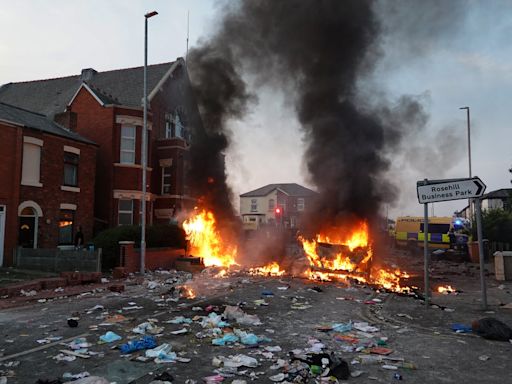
(478, 206)
(432, 191)
(425, 257)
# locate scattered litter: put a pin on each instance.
(162, 354)
(279, 377)
(110, 337)
(492, 329)
(483, 357)
(365, 327)
(132, 308)
(147, 342)
(72, 322)
(179, 320)
(213, 379)
(461, 328)
(236, 313)
(70, 376)
(405, 315)
(390, 367)
(147, 327)
(74, 354)
(179, 331)
(28, 293)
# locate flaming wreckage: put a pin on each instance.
(339, 258)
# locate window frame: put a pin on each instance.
(62, 212)
(164, 175)
(301, 204)
(28, 166)
(69, 163)
(124, 211)
(254, 205)
(131, 138)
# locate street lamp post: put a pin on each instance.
(469, 155)
(469, 138)
(144, 146)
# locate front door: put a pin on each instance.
(2, 233)
(27, 231)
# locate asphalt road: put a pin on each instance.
(418, 334)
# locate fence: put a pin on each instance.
(56, 260)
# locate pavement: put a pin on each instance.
(299, 315)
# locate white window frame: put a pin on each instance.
(271, 204)
(26, 179)
(178, 126)
(163, 178)
(129, 150)
(301, 204)
(168, 125)
(254, 205)
(119, 211)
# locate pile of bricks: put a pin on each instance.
(50, 283)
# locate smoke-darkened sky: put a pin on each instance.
(465, 61)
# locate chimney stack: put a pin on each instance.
(67, 119)
(87, 74)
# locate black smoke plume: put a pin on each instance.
(221, 95)
(320, 51)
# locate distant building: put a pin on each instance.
(47, 178)
(275, 204)
(499, 199)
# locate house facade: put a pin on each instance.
(498, 199)
(48, 184)
(275, 204)
(106, 108)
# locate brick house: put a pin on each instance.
(48, 175)
(275, 204)
(106, 108)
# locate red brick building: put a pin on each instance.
(106, 108)
(48, 178)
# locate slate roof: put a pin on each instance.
(49, 97)
(503, 193)
(37, 121)
(291, 189)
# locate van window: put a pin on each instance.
(436, 228)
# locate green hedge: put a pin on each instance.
(160, 235)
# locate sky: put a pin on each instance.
(472, 66)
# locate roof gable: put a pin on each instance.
(27, 119)
(290, 189)
(119, 87)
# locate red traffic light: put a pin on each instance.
(278, 211)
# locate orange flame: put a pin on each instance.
(446, 289)
(272, 269)
(348, 258)
(206, 241)
(187, 292)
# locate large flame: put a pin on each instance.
(358, 238)
(206, 242)
(349, 258)
(272, 269)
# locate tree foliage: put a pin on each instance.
(497, 225)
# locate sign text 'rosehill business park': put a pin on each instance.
(432, 191)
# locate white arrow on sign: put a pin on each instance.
(432, 191)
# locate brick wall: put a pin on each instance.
(95, 123)
(51, 196)
(156, 258)
(11, 140)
